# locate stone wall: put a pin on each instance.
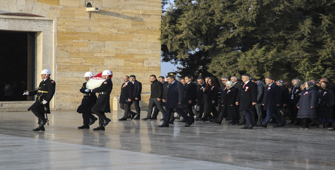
(123, 37)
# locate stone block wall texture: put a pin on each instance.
(123, 37)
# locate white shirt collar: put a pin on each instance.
(270, 84)
(247, 82)
(173, 81)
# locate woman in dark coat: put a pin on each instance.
(294, 99)
(228, 101)
(307, 106)
(326, 102)
(210, 99)
(285, 99)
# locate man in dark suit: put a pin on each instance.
(247, 99)
(102, 104)
(161, 79)
(190, 95)
(126, 97)
(136, 95)
(175, 100)
(155, 97)
(271, 102)
(200, 100)
(45, 92)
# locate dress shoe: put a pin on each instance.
(163, 125)
(123, 119)
(40, 128)
(296, 123)
(92, 121)
(249, 127)
(154, 118)
(188, 124)
(99, 128)
(106, 121)
(147, 118)
(264, 126)
(196, 119)
(280, 125)
(182, 120)
(137, 117)
(241, 123)
(321, 126)
(162, 119)
(331, 129)
(84, 127)
(171, 122)
(244, 127)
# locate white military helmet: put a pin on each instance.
(46, 71)
(106, 73)
(89, 74)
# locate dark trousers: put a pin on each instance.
(305, 122)
(179, 111)
(248, 117)
(259, 111)
(154, 102)
(87, 117)
(189, 110)
(126, 108)
(269, 114)
(294, 113)
(200, 112)
(39, 115)
(101, 115)
(137, 107)
(242, 117)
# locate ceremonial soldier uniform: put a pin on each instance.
(87, 103)
(102, 104)
(44, 93)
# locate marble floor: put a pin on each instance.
(142, 145)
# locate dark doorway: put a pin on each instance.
(17, 60)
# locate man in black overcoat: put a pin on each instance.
(190, 95)
(136, 95)
(155, 97)
(272, 102)
(45, 92)
(175, 100)
(247, 99)
(126, 97)
(200, 97)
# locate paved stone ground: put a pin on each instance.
(142, 145)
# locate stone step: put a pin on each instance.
(15, 106)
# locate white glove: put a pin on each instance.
(87, 90)
(45, 102)
(25, 93)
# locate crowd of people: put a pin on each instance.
(251, 102)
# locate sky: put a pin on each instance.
(167, 66)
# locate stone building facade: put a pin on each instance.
(122, 36)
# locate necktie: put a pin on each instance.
(243, 85)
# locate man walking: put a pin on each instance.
(247, 99)
(136, 95)
(175, 100)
